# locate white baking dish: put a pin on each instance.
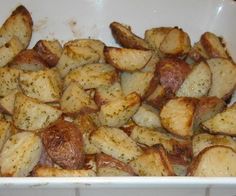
(69, 19)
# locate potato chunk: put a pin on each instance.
(7, 102)
(5, 132)
(20, 154)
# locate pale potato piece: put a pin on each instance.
(197, 83)
(94, 44)
(92, 76)
(153, 162)
(9, 80)
(7, 102)
(213, 45)
(177, 116)
(197, 52)
(214, 161)
(20, 154)
(118, 112)
(223, 122)
(127, 59)
(126, 38)
(223, 77)
(32, 115)
(106, 94)
(143, 83)
(49, 50)
(175, 43)
(58, 172)
(147, 116)
(74, 56)
(18, 24)
(76, 100)
(28, 60)
(151, 64)
(45, 85)
(116, 143)
(5, 132)
(9, 50)
(204, 140)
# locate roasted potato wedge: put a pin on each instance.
(214, 161)
(5, 132)
(56, 172)
(92, 76)
(49, 50)
(126, 38)
(18, 24)
(7, 102)
(32, 115)
(118, 112)
(109, 166)
(198, 53)
(127, 59)
(76, 100)
(151, 64)
(177, 116)
(197, 83)
(153, 162)
(223, 122)
(223, 77)
(28, 60)
(205, 140)
(20, 154)
(116, 143)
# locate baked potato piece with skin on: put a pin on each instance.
(9, 50)
(222, 123)
(176, 43)
(205, 140)
(172, 74)
(116, 143)
(151, 64)
(126, 38)
(9, 80)
(7, 102)
(49, 50)
(213, 45)
(63, 142)
(127, 59)
(18, 24)
(94, 44)
(109, 166)
(5, 132)
(33, 115)
(118, 112)
(177, 116)
(198, 53)
(92, 76)
(223, 77)
(20, 154)
(28, 60)
(207, 108)
(153, 162)
(90, 162)
(214, 161)
(58, 172)
(75, 100)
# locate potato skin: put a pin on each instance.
(64, 144)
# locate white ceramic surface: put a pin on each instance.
(69, 19)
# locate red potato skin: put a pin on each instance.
(64, 144)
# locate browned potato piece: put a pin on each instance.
(204, 140)
(213, 45)
(153, 162)
(127, 59)
(18, 24)
(49, 50)
(214, 161)
(109, 166)
(207, 107)
(28, 60)
(172, 73)
(126, 38)
(64, 144)
(223, 122)
(197, 52)
(5, 132)
(7, 102)
(151, 64)
(177, 116)
(175, 43)
(223, 77)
